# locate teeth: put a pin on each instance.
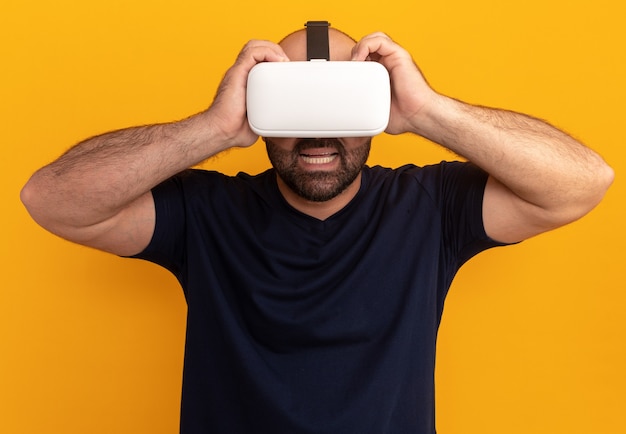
(318, 160)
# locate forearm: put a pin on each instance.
(537, 162)
(100, 176)
(540, 178)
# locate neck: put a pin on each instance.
(319, 210)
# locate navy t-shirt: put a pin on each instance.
(297, 325)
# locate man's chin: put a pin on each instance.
(320, 186)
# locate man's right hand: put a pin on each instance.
(228, 111)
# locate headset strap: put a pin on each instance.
(317, 40)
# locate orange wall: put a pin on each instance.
(533, 337)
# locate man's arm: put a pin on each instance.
(540, 178)
(98, 193)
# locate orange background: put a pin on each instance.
(533, 336)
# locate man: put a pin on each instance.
(315, 289)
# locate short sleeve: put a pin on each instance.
(458, 189)
(166, 248)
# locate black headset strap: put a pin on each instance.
(317, 40)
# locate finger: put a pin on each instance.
(254, 52)
(374, 45)
(257, 51)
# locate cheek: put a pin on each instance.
(282, 143)
(356, 142)
(280, 156)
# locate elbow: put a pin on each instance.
(33, 197)
(608, 176)
(591, 193)
(28, 196)
(603, 178)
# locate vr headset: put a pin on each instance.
(318, 98)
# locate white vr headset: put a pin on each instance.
(318, 98)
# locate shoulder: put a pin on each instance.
(433, 178)
(443, 168)
(202, 183)
(198, 196)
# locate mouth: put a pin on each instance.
(319, 157)
(319, 152)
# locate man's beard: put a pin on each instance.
(318, 186)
